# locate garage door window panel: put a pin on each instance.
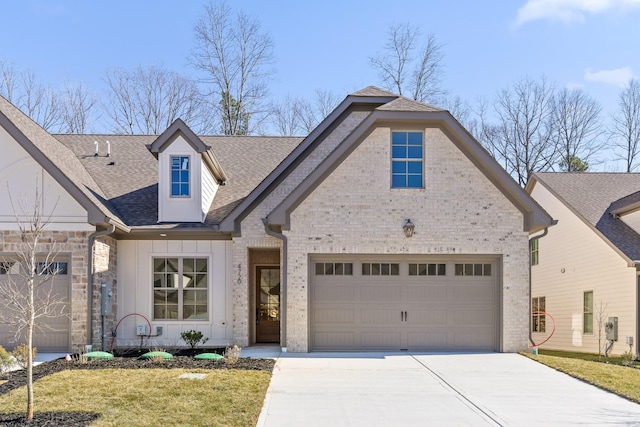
(380, 269)
(334, 269)
(473, 270)
(429, 269)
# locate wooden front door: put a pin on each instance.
(268, 304)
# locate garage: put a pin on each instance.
(402, 303)
(55, 334)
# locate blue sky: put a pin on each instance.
(593, 44)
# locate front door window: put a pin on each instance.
(268, 304)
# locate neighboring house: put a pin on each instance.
(586, 268)
(306, 243)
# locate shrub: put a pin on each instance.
(21, 354)
(232, 355)
(193, 337)
(6, 360)
(627, 358)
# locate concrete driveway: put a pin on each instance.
(400, 389)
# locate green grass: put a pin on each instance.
(591, 368)
(150, 397)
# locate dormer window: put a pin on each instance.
(180, 167)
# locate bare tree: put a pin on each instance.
(298, 116)
(77, 105)
(576, 123)
(148, 100)
(234, 55)
(524, 140)
(410, 68)
(601, 318)
(26, 296)
(24, 91)
(626, 125)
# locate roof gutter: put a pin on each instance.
(283, 288)
(92, 239)
(531, 240)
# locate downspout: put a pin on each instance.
(544, 233)
(283, 288)
(92, 238)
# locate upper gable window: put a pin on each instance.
(406, 159)
(180, 167)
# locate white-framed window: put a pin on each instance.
(535, 253)
(587, 312)
(407, 159)
(180, 288)
(538, 318)
(180, 178)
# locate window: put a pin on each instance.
(587, 312)
(406, 159)
(473, 269)
(534, 252)
(380, 269)
(427, 269)
(180, 288)
(538, 319)
(179, 176)
(6, 267)
(59, 268)
(334, 269)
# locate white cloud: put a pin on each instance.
(568, 11)
(617, 77)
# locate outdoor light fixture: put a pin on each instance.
(408, 228)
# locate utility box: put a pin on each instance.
(106, 306)
(611, 328)
(141, 330)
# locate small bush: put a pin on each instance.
(193, 338)
(627, 358)
(232, 355)
(6, 360)
(21, 354)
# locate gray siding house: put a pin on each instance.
(388, 227)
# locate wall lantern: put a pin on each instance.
(408, 228)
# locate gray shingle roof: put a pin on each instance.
(406, 104)
(129, 177)
(593, 196)
(374, 91)
(62, 160)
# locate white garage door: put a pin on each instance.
(55, 335)
(396, 304)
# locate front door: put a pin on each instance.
(268, 304)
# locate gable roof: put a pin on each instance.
(595, 198)
(179, 128)
(405, 111)
(129, 177)
(60, 163)
(369, 97)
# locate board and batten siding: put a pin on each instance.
(22, 175)
(135, 292)
(574, 259)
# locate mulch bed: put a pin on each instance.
(19, 378)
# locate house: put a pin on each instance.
(586, 268)
(388, 227)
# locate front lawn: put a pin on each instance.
(621, 380)
(150, 397)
